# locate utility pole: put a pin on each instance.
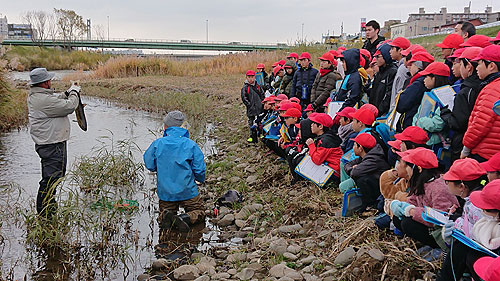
(302, 33)
(108, 28)
(207, 31)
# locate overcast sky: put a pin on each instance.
(235, 20)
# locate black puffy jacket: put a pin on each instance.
(381, 91)
(252, 96)
(351, 87)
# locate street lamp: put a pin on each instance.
(108, 28)
(207, 31)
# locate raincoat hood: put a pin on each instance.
(352, 60)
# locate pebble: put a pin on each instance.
(237, 257)
(240, 223)
(251, 180)
(330, 272)
(278, 246)
(159, 264)
(222, 275)
(290, 256)
(143, 277)
(255, 266)
(294, 249)
(376, 254)
(226, 220)
(345, 257)
(234, 179)
(186, 272)
(289, 228)
(232, 271)
(246, 274)
(308, 260)
(205, 267)
(203, 278)
(281, 270)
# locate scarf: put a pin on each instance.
(489, 79)
(324, 72)
(414, 78)
(345, 131)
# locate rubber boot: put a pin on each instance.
(182, 222)
(167, 220)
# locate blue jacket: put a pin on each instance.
(178, 162)
(351, 89)
(409, 101)
(306, 77)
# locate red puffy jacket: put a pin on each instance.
(483, 132)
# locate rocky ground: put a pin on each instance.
(285, 232)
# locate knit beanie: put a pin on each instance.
(174, 119)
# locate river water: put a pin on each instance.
(20, 165)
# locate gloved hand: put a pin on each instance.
(73, 87)
(399, 209)
(447, 231)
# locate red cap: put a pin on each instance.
(309, 108)
(464, 170)
(364, 116)
(436, 68)
(282, 62)
(488, 198)
(261, 65)
(396, 144)
(374, 61)
(370, 107)
(452, 41)
(341, 49)
(362, 60)
(275, 64)
(365, 140)
(488, 268)
(495, 39)
(328, 57)
(293, 55)
(276, 69)
(365, 53)
(250, 73)
(296, 105)
(457, 53)
(347, 112)
(470, 53)
(305, 55)
(490, 53)
(292, 112)
(414, 134)
(287, 66)
(422, 56)
(422, 157)
(322, 118)
(477, 40)
(334, 53)
(377, 52)
(284, 106)
(270, 98)
(281, 97)
(294, 99)
(401, 42)
(493, 164)
(327, 102)
(413, 49)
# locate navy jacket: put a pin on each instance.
(350, 91)
(303, 76)
(409, 101)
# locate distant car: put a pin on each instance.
(234, 43)
(129, 40)
(185, 41)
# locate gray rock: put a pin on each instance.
(309, 277)
(251, 180)
(289, 228)
(226, 220)
(363, 250)
(208, 260)
(285, 278)
(232, 271)
(143, 277)
(232, 147)
(257, 267)
(243, 214)
(237, 257)
(240, 223)
(222, 275)
(234, 179)
(281, 270)
(278, 246)
(159, 264)
(376, 254)
(203, 278)
(294, 249)
(223, 211)
(330, 272)
(205, 267)
(345, 257)
(251, 169)
(308, 260)
(186, 272)
(197, 256)
(245, 274)
(308, 269)
(290, 256)
(254, 207)
(322, 244)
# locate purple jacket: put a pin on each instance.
(436, 196)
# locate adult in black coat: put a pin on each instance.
(381, 91)
(372, 37)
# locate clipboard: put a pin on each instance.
(460, 236)
(434, 216)
(445, 95)
(334, 107)
(427, 106)
(259, 77)
(394, 116)
(318, 174)
(267, 126)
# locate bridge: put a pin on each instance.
(148, 44)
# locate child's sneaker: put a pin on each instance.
(250, 140)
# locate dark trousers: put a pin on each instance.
(53, 159)
(415, 230)
(273, 145)
(370, 189)
(460, 259)
(253, 132)
(194, 208)
(293, 158)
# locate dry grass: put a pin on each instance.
(13, 107)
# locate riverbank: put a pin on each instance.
(13, 108)
(293, 231)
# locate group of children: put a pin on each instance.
(367, 119)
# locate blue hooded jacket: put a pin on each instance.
(303, 76)
(350, 90)
(178, 162)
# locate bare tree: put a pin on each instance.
(70, 25)
(99, 32)
(52, 26)
(37, 20)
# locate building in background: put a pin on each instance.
(451, 27)
(4, 28)
(386, 29)
(20, 30)
(399, 30)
